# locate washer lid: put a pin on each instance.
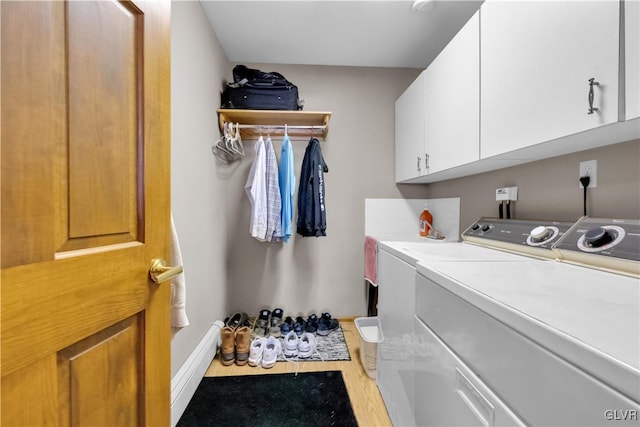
(588, 317)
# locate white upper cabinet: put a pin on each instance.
(537, 60)
(452, 103)
(632, 58)
(410, 139)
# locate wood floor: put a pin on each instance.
(364, 394)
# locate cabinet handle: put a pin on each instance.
(591, 84)
(426, 162)
(475, 400)
(418, 163)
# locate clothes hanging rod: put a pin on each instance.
(298, 123)
(319, 127)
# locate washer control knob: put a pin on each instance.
(539, 233)
(475, 227)
(486, 228)
(597, 237)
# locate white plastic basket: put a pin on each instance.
(370, 336)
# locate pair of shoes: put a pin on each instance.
(264, 352)
(327, 324)
(261, 324)
(237, 320)
(235, 345)
(301, 346)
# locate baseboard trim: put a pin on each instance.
(186, 380)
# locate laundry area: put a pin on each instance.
(450, 133)
(317, 212)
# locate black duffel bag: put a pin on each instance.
(257, 90)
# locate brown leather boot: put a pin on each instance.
(243, 344)
(227, 353)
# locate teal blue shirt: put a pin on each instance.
(287, 181)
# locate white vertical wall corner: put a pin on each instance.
(186, 380)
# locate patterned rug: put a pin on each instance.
(330, 348)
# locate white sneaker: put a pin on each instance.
(291, 344)
(270, 353)
(256, 350)
(306, 345)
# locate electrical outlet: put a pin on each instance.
(589, 168)
(507, 193)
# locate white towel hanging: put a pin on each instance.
(178, 287)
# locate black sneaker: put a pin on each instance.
(298, 327)
(236, 320)
(286, 327)
(327, 324)
(312, 324)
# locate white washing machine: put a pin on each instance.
(534, 343)
(400, 351)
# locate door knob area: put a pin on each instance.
(160, 272)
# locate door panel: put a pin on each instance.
(36, 384)
(33, 128)
(105, 65)
(85, 173)
(116, 387)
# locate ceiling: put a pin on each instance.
(331, 32)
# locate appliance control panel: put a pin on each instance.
(602, 243)
(615, 238)
(535, 237)
(519, 232)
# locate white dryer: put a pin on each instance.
(535, 343)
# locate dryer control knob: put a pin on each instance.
(475, 227)
(539, 233)
(597, 237)
(486, 228)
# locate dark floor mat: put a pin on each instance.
(307, 399)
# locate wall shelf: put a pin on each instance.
(298, 123)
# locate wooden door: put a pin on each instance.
(85, 208)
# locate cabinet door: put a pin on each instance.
(537, 59)
(410, 132)
(632, 59)
(452, 103)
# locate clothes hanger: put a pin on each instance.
(221, 148)
(236, 144)
(228, 140)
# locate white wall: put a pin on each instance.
(198, 67)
